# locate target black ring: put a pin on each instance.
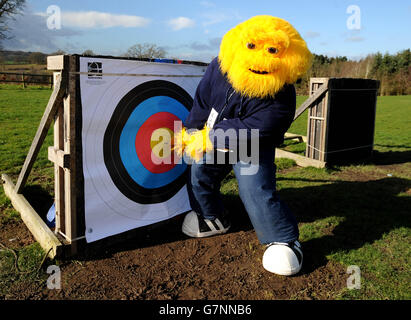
(112, 159)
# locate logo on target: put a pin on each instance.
(95, 70)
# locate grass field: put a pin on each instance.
(350, 215)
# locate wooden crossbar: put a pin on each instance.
(56, 99)
(301, 161)
(311, 100)
(304, 161)
(292, 136)
(45, 237)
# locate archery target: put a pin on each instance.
(131, 175)
(130, 144)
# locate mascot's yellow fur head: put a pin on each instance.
(263, 54)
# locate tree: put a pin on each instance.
(37, 58)
(88, 52)
(146, 50)
(404, 59)
(376, 67)
(59, 52)
(392, 70)
(8, 8)
(389, 64)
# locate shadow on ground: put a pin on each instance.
(159, 262)
(391, 157)
(369, 209)
(39, 199)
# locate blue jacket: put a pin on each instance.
(272, 116)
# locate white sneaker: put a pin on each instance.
(285, 259)
(196, 226)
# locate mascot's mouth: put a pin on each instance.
(258, 72)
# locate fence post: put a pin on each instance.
(22, 78)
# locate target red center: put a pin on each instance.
(154, 142)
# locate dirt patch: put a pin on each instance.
(14, 234)
(380, 172)
(397, 169)
(224, 267)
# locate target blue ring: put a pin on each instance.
(128, 153)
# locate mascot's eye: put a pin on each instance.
(250, 45)
(272, 50)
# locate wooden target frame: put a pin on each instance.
(341, 122)
(64, 109)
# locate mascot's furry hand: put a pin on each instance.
(194, 144)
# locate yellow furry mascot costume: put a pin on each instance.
(248, 88)
(259, 56)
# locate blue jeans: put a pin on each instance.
(271, 218)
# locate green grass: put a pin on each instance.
(388, 275)
(299, 126)
(21, 266)
(391, 125)
(21, 111)
(392, 120)
(20, 114)
(351, 215)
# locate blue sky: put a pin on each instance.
(193, 29)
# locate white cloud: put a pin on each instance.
(95, 19)
(29, 32)
(181, 23)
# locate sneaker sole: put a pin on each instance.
(286, 273)
(291, 272)
(195, 234)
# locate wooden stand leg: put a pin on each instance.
(59, 199)
(70, 148)
(64, 154)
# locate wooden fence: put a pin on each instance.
(26, 78)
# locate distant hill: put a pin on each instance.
(22, 57)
